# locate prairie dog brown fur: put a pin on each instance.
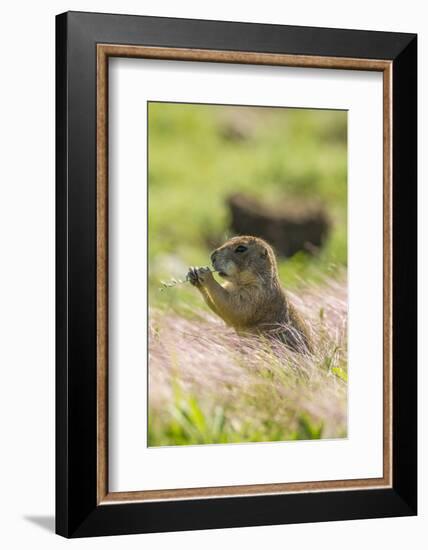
(251, 299)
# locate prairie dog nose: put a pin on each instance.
(213, 255)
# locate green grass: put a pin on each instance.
(186, 423)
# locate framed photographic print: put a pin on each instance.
(236, 274)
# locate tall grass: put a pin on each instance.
(209, 385)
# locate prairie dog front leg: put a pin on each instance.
(227, 305)
(197, 276)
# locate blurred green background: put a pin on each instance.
(201, 154)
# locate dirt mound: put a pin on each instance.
(290, 226)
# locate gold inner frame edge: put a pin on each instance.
(104, 51)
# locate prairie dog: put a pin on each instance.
(251, 299)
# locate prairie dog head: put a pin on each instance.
(245, 260)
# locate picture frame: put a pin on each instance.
(84, 44)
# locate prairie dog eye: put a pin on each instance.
(241, 248)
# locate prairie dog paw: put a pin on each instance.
(204, 274)
(192, 276)
(198, 276)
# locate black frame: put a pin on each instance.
(77, 513)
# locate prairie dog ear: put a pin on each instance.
(263, 253)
